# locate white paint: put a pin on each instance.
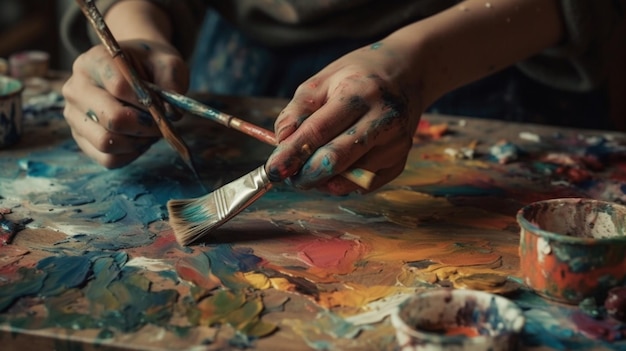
(543, 249)
(151, 264)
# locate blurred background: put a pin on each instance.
(33, 25)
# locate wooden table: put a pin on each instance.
(96, 266)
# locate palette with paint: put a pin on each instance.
(96, 263)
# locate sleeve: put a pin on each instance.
(580, 62)
(186, 15)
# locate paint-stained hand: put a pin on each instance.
(359, 112)
(102, 108)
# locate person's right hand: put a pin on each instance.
(102, 109)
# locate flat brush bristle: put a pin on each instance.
(191, 219)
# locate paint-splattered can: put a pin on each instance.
(10, 111)
(27, 64)
(573, 248)
(457, 320)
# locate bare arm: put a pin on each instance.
(475, 39)
(361, 111)
(130, 20)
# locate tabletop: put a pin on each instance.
(88, 260)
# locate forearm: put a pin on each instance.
(139, 19)
(474, 39)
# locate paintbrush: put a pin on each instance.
(145, 96)
(197, 108)
(358, 176)
(191, 219)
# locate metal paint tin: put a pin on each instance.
(456, 320)
(10, 111)
(572, 248)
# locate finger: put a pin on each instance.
(321, 168)
(110, 161)
(330, 120)
(103, 140)
(105, 110)
(99, 69)
(308, 98)
(167, 70)
(355, 144)
(339, 185)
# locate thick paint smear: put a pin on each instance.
(113, 264)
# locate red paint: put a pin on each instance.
(455, 330)
(190, 271)
(333, 254)
(426, 130)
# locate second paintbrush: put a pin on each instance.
(358, 176)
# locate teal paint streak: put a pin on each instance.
(459, 190)
(29, 284)
(63, 272)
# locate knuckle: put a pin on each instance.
(111, 162)
(117, 86)
(116, 121)
(104, 143)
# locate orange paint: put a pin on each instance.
(565, 268)
(455, 331)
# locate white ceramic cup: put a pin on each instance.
(457, 320)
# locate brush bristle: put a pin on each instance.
(192, 218)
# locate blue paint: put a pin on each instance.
(40, 169)
(70, 199)
(459, 190)
(63, 272)
(10, 126)
(225, 261)
(29, 284)
(505, 152)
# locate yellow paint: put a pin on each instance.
(281, 284)
(356, 295)
(258, 280)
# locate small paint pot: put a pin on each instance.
(573, 248)
(457, 320)
(10, 111)
(27, 64)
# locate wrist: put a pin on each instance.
(409, 49)
(139, 20)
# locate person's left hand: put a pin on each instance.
(361, 111)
